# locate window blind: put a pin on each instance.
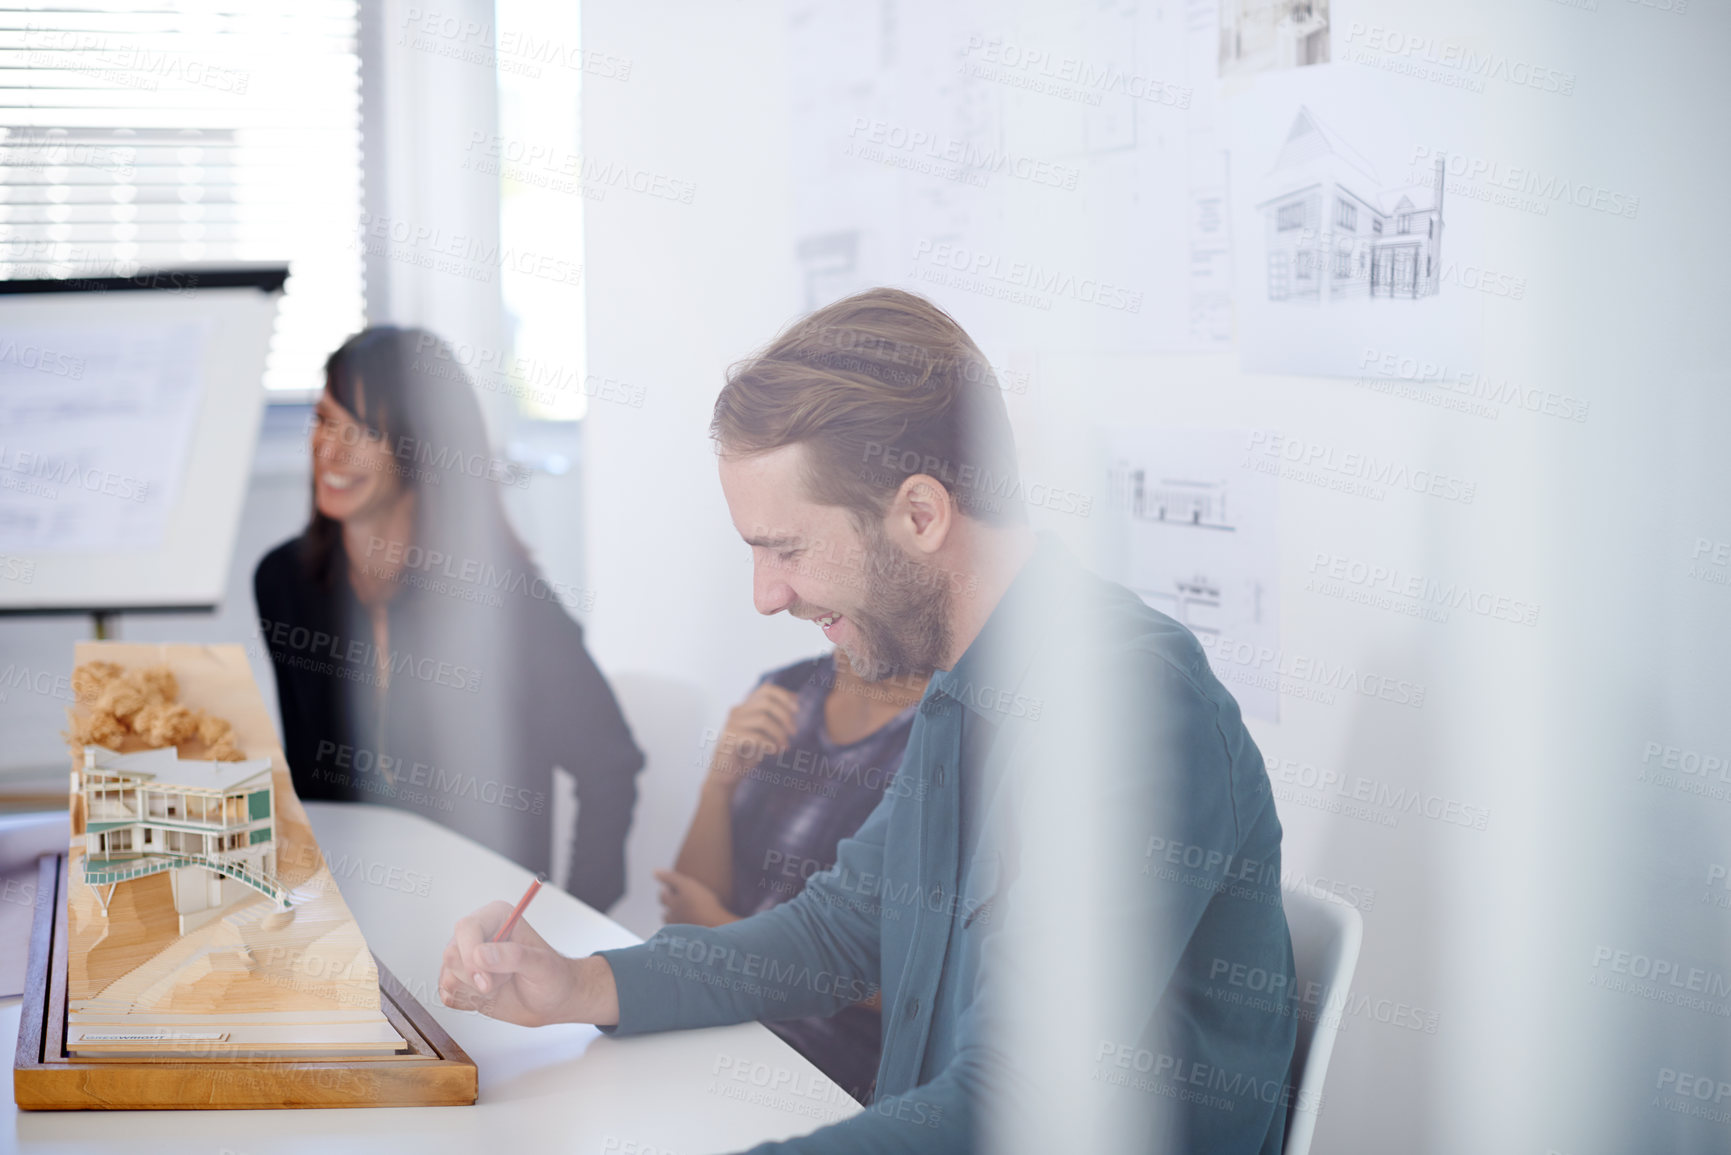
(173, 133)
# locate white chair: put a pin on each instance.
(666, 717)
(1326, 934)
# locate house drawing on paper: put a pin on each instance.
(1175, 501)
(212, 825)
(1334, 233)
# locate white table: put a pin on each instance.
(561, 1088)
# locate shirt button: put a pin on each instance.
(913, 1009)
(940, 775)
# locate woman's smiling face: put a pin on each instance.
(354, 472)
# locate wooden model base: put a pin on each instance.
(434, 1071)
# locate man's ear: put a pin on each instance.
(923, 514)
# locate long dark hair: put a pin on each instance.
(405, 387)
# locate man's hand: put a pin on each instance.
(684, 899)
(759, 726)
(523, 980)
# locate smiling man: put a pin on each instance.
(1085, 850)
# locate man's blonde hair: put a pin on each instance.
(880, 385)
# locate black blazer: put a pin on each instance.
(490, 687)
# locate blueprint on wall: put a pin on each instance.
(1056, 178)
(1349, 250)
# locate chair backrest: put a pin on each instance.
(1326, 934)
(666, 718)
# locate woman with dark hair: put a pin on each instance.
(421, 659)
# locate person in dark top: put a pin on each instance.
(801, 764)
(421, 659)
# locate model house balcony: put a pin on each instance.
(213, 813)
(111, 811)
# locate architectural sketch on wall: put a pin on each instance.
(1333, 232)
(1210, 248)
(1179, 501)
(1262, 35)
(892, 145)
(919, 149)
(1193, 597)
(1346, 241)
(1194, 535)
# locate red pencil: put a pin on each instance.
(518, 913)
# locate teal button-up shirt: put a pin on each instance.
(922, 907)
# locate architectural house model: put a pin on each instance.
(199, 909)
(210, 825)
(191, 949)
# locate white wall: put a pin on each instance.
(1490, 935)
(677, 292)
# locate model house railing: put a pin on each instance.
(102, 873)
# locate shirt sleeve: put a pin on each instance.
(271, 606)
(812, 955)
(591, 740)
(605, 801)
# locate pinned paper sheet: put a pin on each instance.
(1195, 536)
(94, 428)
